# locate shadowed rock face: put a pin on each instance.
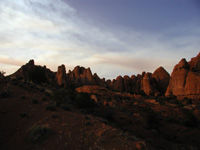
(162, 78)
(35, 73)
(185, 79)
(118, 84)
(81, 76)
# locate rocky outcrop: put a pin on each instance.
(35, 73)
(61, 76)
(185, 79)
(146, 84)
(82, 76)
(118, 84)
(162, 78)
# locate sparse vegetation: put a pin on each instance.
(5, 94)
(62, 96)
(23, 115)
(35, 101)
(2, 73)
(83, 101)
(51, 107)
(23, 97)
(189, 120)
(44, 99)
(65, 107)
(37, 134)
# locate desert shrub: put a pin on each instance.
(62, 96)
(22, 85)
(37, 134)
(15, 81)
(188, 101)
(23, 97)
(54, 116)
(84, 101)
(44, 99)
(65, 107)
(108, 115)
(142, 93)
(151, 119)
(5, 94)
(2, 73)
(189, 120)
(23, 114)
(42, 90)
(34, 101)
(51, 107)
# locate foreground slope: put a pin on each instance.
(42, 116)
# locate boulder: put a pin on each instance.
(162, 78)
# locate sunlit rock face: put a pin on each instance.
(61, 76)
(185, 79)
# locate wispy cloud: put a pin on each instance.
(53, 33)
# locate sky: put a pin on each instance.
(112, 37)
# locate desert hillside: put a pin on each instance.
(77, 110)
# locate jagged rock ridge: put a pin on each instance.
(184, 80)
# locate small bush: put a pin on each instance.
(5, 94)
(61, 96)
(23, 97)
(51, 107)
(37, 134)
(151, 119)
(65, 107)
(54, 116)
(23, 115)
(84, 101)
(44, 99)
(34, 101)
(189, 120)
(42, 90)
(15, 81)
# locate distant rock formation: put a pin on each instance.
(35, 73)
(162, 78)
(61, 76)
(185, 79)
(147, 85)
(82, 76)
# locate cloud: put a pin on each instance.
(52, 33)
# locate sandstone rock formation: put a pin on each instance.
(185, 79)
(118, 84)
(146, 84)
(82, 76)
(162, 78)
(61, 76)
(35, 73)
